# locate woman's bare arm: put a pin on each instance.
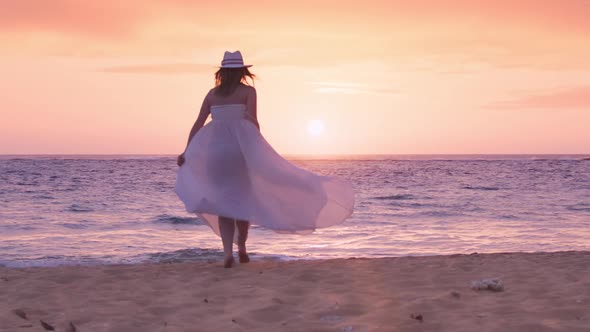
(199, 123)
(251, 107)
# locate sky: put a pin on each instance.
(334, 77)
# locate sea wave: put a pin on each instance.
(202, 254)
(480, 188)
(170, 219)
(395, 197)
(184, 255)
(79, 208)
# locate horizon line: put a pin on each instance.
(303, 154)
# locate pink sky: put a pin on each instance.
(382, 76)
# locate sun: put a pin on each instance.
(315, 127)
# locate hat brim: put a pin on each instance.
(236, 66)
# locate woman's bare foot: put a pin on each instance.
(244, 258)
(228, 262)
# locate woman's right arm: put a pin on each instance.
(199, 123)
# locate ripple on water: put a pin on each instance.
(21, 183)
(43, 197)
(585, 207)
(79, 208)
(507, 216)
(74, 225)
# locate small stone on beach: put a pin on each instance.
(494, 285)
(456, 295)
(417, 317)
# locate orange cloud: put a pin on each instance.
(163, 68)
(571, 98)
(351, 88)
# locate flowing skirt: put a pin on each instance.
(230, 170)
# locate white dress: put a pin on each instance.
(230, 170)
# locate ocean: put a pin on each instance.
(64, 210)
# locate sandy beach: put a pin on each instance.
(542, 292)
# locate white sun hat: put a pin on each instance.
(233, 60)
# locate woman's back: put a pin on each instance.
(243, 94)
(240, 95)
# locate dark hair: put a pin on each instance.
(228, 79)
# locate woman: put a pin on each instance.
(230, 176)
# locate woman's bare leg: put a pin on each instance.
(243, 226)
(227, 229)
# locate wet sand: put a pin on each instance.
(542, 292)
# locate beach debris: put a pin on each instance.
(20, 313)
(234, 321)
(4, 278)
(493, 284)
(205, 300)
(456, 294)
(47, 326)
(417, 317)
(71, 328)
